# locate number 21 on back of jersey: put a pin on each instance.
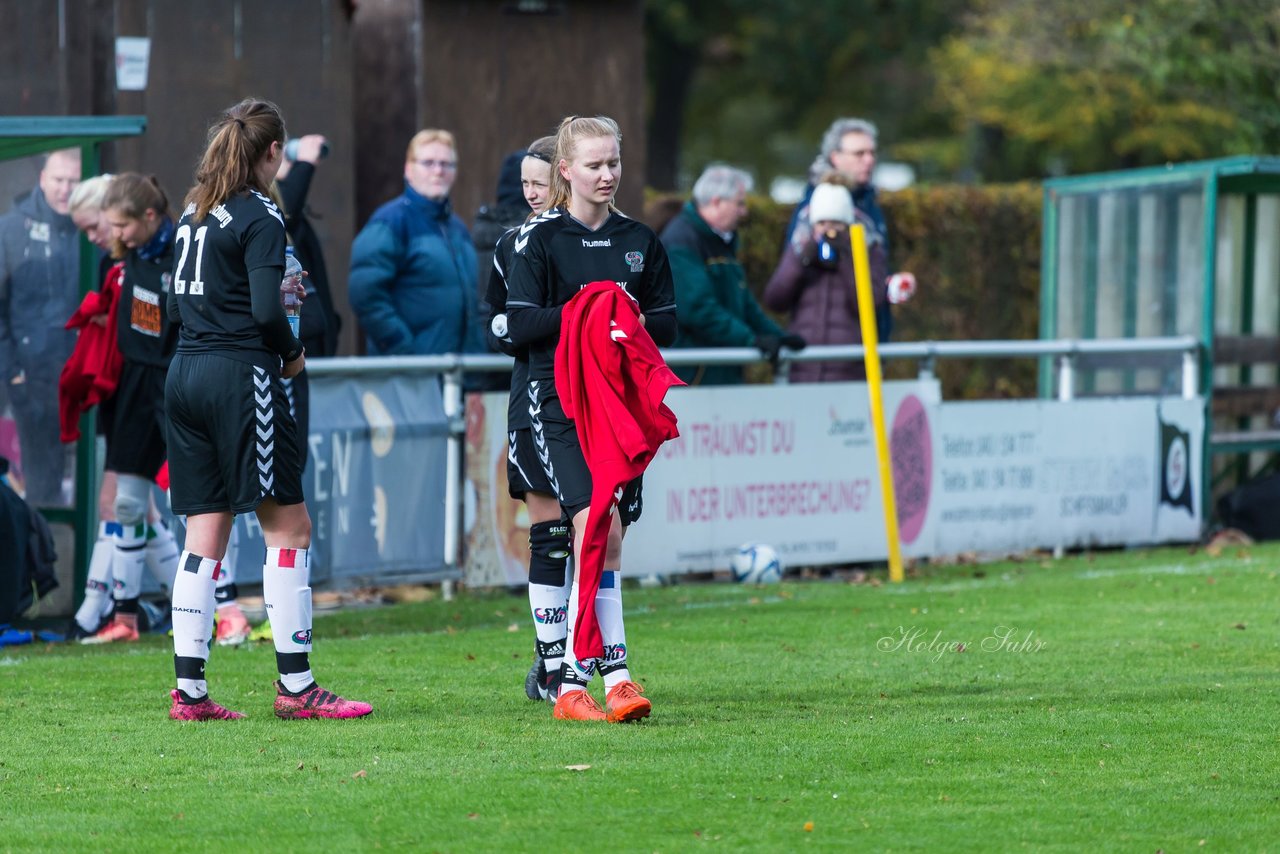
(183, 241)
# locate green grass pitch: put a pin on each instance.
(1123, 701)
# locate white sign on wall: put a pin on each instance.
(133, 55)
(795, 467)
(1020, 474)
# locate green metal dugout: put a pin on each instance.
(1185, 249)
(27, 136)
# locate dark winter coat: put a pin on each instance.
(716, 308)
(39, 288)
(413, 280)
(866, 204)
(320, 321)
(823, 306)
(492, 221)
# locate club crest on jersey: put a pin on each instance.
(635, 260)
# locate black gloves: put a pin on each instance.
(770, 344)
(824, 253)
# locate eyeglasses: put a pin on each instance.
(446, 165)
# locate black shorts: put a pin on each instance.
(632, 503)
(563, 464)
(232, 442)
(298, 392)
(524, 469)
(136, 437)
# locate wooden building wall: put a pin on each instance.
(498, 78)
(57, 57)
(366, 74)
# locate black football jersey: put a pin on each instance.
(556, 256)
(496, 296)
(144, 332)
(211, 276)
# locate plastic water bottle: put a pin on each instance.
(291, 150)
(291, 289)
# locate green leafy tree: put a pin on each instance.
(1086, 85)
(755, 82)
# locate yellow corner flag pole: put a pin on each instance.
(875, 391)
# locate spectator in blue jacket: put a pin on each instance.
(413, 265)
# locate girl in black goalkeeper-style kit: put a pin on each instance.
(233, 447)
(582, 238)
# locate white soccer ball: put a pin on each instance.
(756, 563)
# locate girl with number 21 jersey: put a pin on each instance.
(233, 446)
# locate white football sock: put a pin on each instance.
(613, 667)
(286, 580)
(161, 554)
(575, 675)
(133, 498)
(227, 591)
(550, 608)
(129, 562)
(193, 621)
(97, 587)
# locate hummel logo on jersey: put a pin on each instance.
(596, 244)
(522, 239)
(269, 205)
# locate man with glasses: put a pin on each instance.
(413, 265)
(848, 157)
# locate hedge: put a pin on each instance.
(976, 255)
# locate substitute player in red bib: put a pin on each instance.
(233, 447)
(581, 239)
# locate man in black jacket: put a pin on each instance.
(320, 322)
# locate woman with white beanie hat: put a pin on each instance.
(814, 282)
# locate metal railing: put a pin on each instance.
(451, 367)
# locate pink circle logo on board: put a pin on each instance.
(911, 451)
